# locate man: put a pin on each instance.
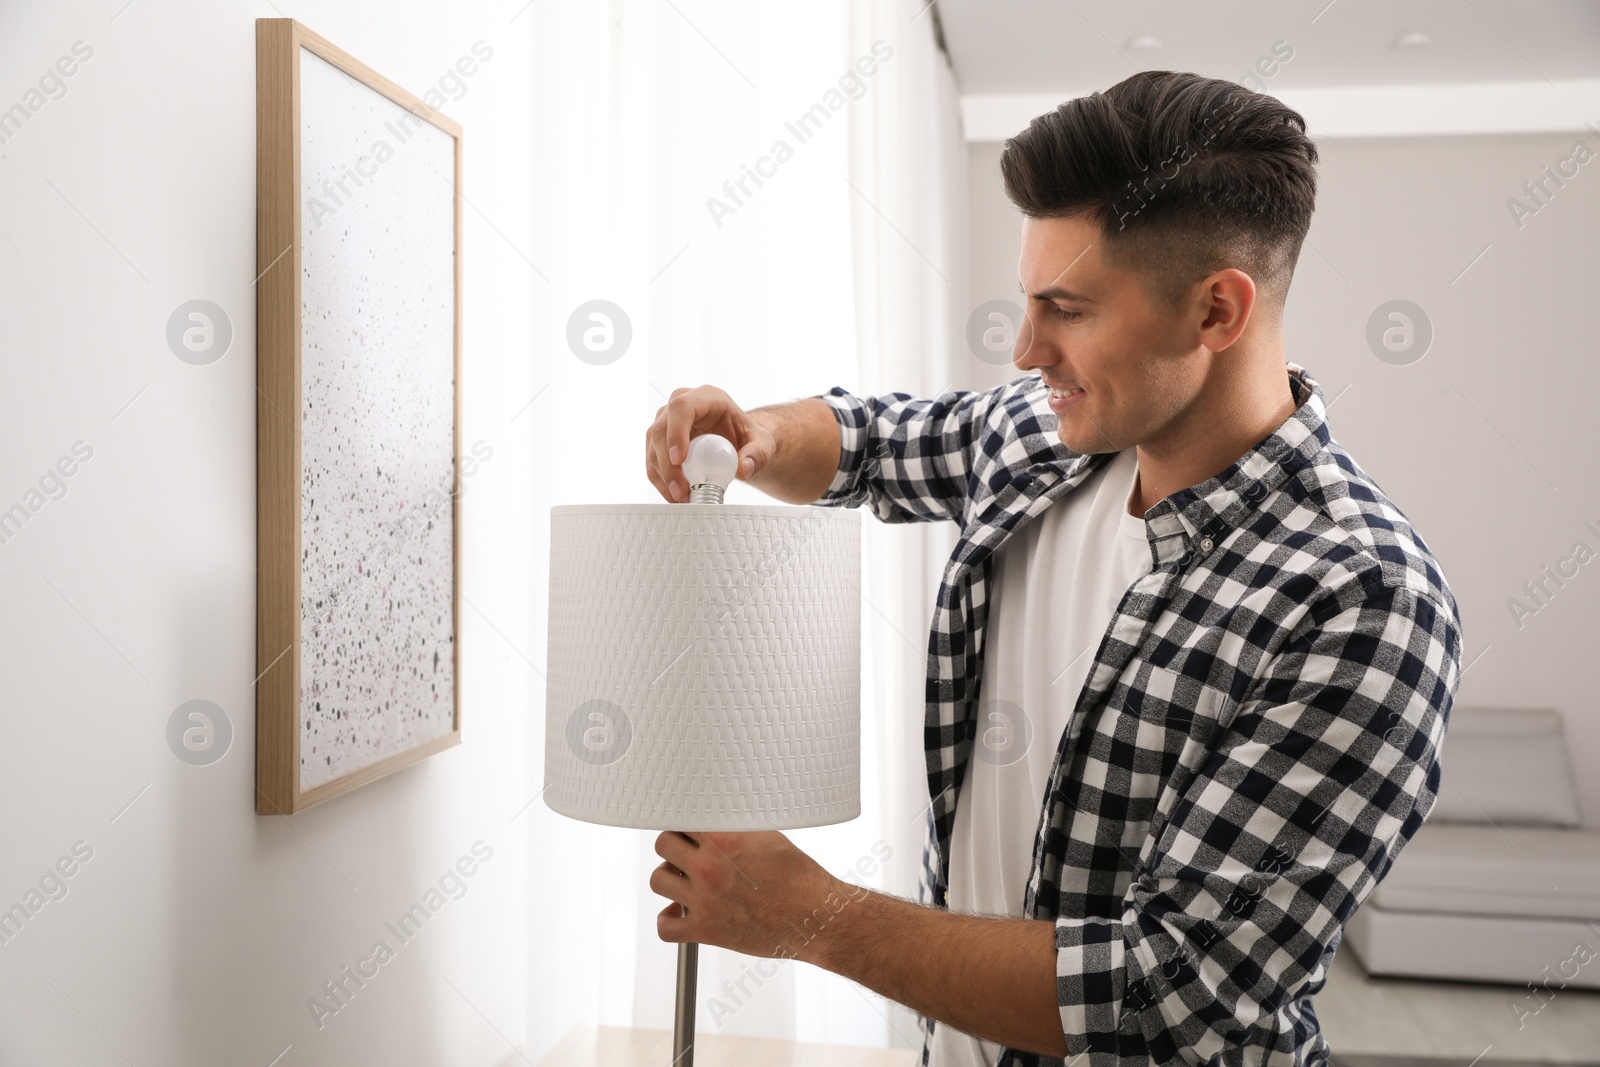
(1190, 668)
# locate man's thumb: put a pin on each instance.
(750, 460)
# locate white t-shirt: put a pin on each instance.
(1054, 588)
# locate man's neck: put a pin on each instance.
(1227, 419)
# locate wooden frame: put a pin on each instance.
(279, 722)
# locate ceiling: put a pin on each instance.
(1070, 47)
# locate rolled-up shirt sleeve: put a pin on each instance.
(1287, 823)
(908, 460)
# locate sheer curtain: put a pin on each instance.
(772, 195)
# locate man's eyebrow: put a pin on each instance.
(1057, 292)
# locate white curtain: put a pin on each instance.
(773, 220)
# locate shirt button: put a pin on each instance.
(1206, 544)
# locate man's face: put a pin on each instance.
(1131, 367)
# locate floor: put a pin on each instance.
(1459, 1021)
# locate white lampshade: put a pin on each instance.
(704, 666)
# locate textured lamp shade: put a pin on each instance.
(704, 666)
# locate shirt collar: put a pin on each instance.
(1209, 510)
(1189, 522)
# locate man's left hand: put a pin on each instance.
(754, 893)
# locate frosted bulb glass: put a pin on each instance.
(710, 466)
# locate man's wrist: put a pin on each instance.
(806, 448)
(833, 931)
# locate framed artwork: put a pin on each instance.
(358, 422)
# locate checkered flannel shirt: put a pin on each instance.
(1257, 738)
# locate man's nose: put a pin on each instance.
(1030, 351)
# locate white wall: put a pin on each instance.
(197, 931)
(1488, 442)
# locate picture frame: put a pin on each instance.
(358, 419)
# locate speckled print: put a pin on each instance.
(377, 665)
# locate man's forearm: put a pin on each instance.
(805, 455)
(990, 977)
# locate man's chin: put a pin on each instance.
(1073, 440)
(1084, 443)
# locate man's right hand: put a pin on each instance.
(689, 413)
(797, 473)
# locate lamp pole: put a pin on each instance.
(683, 1016)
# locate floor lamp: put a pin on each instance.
(704, 668)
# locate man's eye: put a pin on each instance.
(1069, 316)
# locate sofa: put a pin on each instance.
(1501, 883)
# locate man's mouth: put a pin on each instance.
(1064, 396)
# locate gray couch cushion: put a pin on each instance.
(1507, 766)
(1527, 871)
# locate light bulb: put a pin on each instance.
(710, 466)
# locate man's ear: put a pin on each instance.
(1227, 298)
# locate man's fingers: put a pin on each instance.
(658, 467)
(672, 845)
(682, 411)
(667, 881)
(673, 925)
(655, 479)
(650, 436)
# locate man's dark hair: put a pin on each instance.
(1183, 175)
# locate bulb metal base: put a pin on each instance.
(707, 493)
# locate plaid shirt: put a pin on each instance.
(1256, 740)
